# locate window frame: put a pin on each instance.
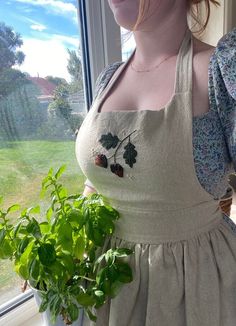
(229, 15)
(100, 34)
(23, 307)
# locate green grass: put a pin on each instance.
(23, 165)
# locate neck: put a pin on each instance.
(154, 43)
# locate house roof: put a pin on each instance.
(46, 87)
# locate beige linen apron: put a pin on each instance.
(185, 250)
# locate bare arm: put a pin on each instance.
(88, 190)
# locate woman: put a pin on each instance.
(159, 142)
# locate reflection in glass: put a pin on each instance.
(41, 106)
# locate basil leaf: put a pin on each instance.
(34, 228)
(73, 311)
(47, 254)
(65, 236)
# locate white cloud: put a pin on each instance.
(27, 10)
(35, 25)
(74, 41)
(69, 41)
(38, 27)
(45, 57)
(56, 6)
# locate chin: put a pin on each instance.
(125, 13)
(122, 23)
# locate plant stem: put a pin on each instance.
(87, 278)
(59, 198)
(5, 224)
(120, 145)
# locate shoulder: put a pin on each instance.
(228, 41)
(203, 53)
(108, 70)
(201, 59)
(223, 63)
(105, 75)
(225, 51)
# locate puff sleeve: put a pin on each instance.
(222, 88)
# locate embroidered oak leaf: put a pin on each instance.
(109, 141)
(101, 160)
(117, 169)
(130, 154)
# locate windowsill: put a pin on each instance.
(25, 315)
(36, 320)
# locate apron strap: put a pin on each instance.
(184, 70)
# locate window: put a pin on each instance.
(127, 43)
(41, 105)
(45, 94)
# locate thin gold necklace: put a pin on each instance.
(147, 70)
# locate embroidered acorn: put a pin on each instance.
(117, 169)
(101, 160)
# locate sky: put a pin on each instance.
(47, 28)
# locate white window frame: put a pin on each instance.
(230, 15)
(22, 308)
(103, 36)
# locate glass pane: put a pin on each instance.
(127, 43)
(41, 105)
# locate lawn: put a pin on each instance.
(23, 166)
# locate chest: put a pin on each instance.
(153, 90)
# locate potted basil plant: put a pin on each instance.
(63, 256)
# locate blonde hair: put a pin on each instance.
(193, 9)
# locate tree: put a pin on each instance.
(10, 41)
(74, 68)
(11, 79)
(60, 105)
(20, 110)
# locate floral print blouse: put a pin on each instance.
(214, 133)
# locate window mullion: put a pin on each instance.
(103, 37)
